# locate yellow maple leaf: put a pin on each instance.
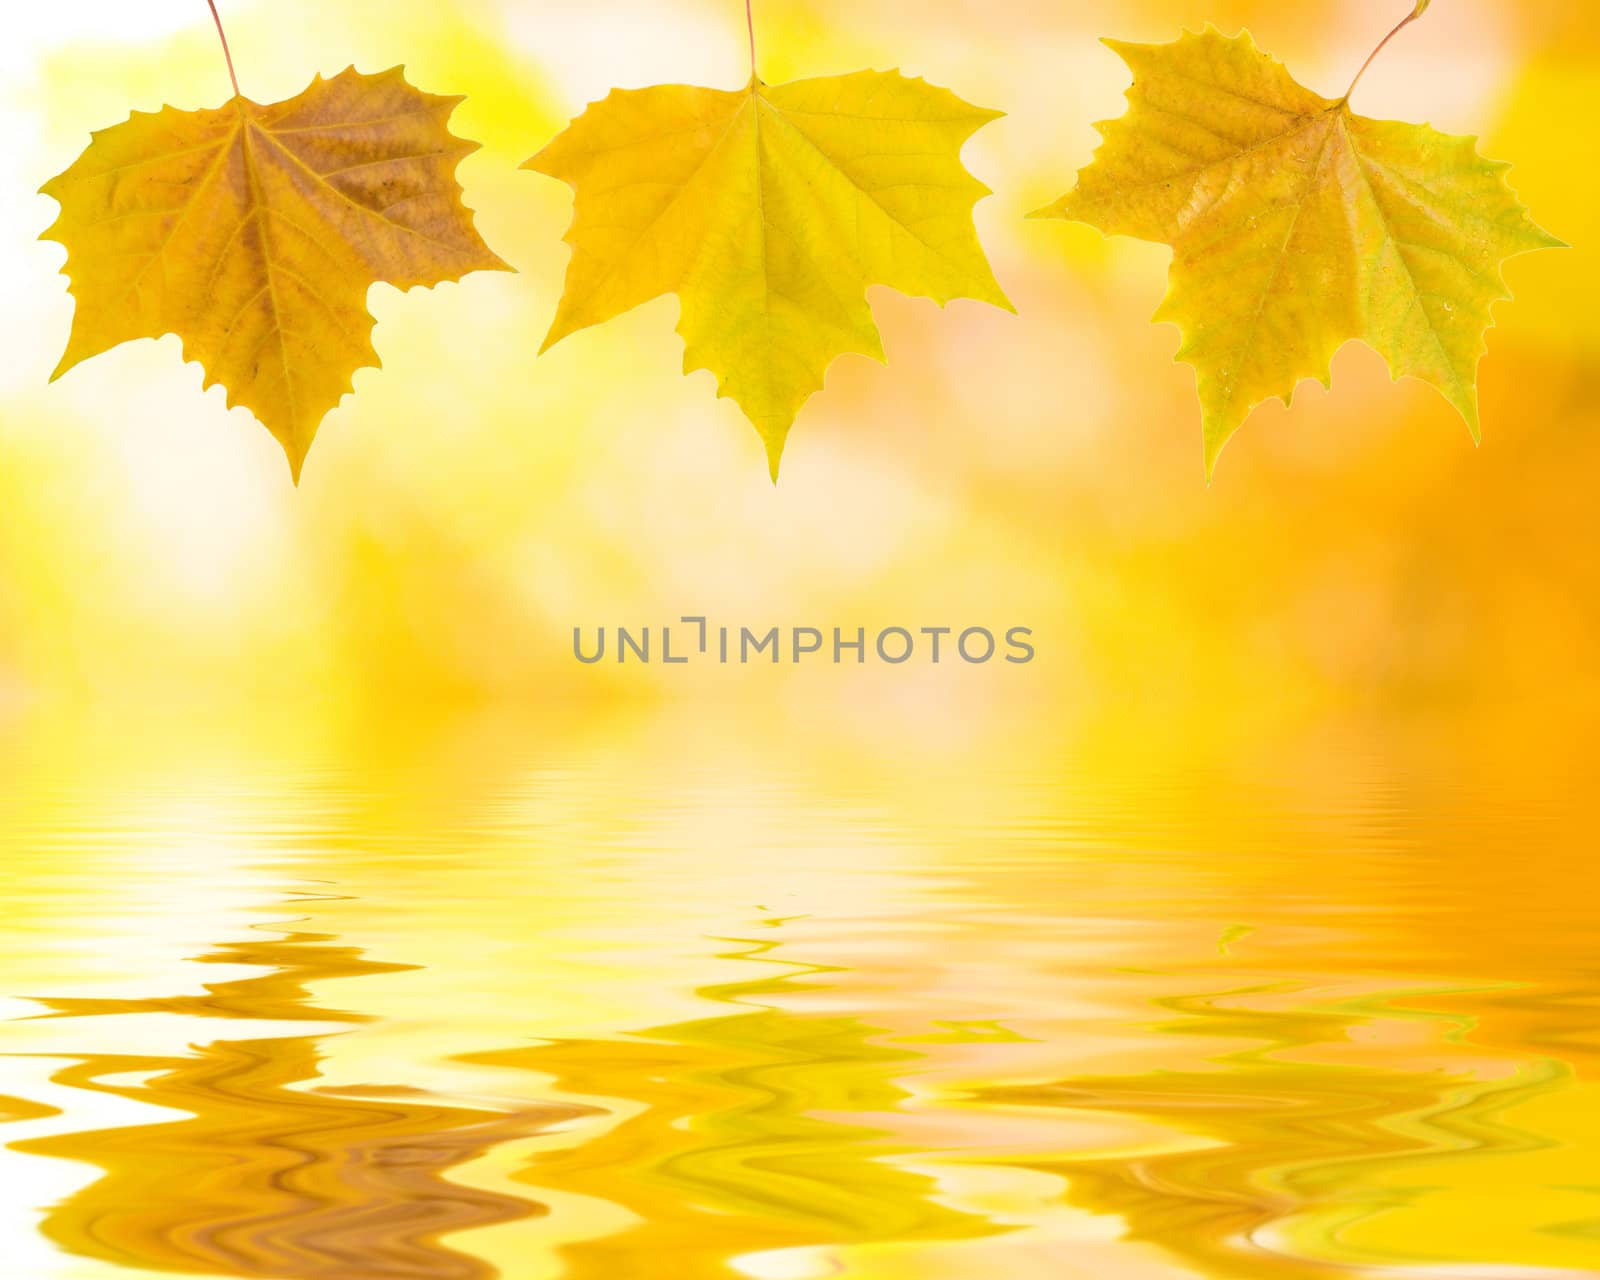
(1297, 225)
(768, 211)
(253, 233)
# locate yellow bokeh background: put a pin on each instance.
(471, 503)
(1365, 653)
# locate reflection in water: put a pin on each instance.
(1282, 1150)
(600, 1023)
(745, 1133)
(266, 1179)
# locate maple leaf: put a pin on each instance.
(253, 233)
(1297, 225)
(768, 211)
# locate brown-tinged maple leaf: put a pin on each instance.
(253, 233)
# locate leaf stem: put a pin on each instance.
(223, 36)
(750, 30)
(1400, 26)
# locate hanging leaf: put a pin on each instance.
(1297, 225)
(768, 211)
(254, 232)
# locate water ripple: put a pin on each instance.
(603, 1022)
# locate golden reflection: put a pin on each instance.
(266, 1177)
(1276, 1159)
(635, 1002)
(741, 1132)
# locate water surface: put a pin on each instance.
(610, 1014)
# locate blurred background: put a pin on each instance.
(1245, 932)
(1356, 558)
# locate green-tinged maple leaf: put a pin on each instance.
(768, 211)
(253, 233)
(1297, 225)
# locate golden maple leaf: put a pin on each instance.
(1297, 225)
(768, 211)
(253, 233)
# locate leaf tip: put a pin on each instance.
(1216, 430)
(774, 448)
(1124, 49)
(544, 161)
